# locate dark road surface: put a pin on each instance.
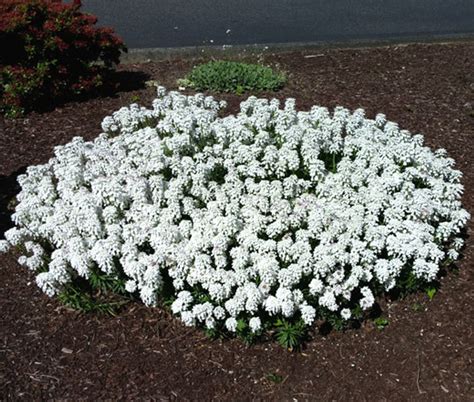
(179, 23)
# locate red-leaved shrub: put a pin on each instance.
(50, 50)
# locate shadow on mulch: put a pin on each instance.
(117, 82)
(9, 188)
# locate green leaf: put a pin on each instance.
(381, 322)
(276, 378)
(430, 292)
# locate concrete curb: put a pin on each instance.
(158, 54)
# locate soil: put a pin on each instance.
(426, 351)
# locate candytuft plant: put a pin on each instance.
(235, 77)
(263, 223)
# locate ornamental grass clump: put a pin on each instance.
(263, 222)
(235, 77)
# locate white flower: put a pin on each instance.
(22, 260)
(255, 324)
(308, 313)
(272, 305)
(210, 322)
(219, 313)
(346, 313)
(367, 300)
(182, 302)
(328, 300)
(4, 246)
(231, 324)
(316, 286)
(130, 286)
(188, 318)
(44, 282)
(148, 295)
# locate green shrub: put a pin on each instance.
(50, 50)
(231, 76)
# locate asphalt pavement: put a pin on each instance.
(180, 23)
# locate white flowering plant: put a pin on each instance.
(267, 220)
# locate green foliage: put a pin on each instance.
(230, 76)
(218, 174)
(417, 307)
(214, 333)
(330, 160)
(135, 99)
(76, 297)
(430, 292)
(244, 332)
(273, 377)
(381, 322)
(290, 334)
(167, 293)
(336, 322)
(357, 313)
(100, 293)
(407, 283)
(102, 281)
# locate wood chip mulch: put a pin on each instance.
(426, 351)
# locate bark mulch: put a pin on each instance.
(426, 351)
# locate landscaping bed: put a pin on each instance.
(426, 348)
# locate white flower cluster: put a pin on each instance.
(272, 212)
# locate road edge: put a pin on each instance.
(137, 55)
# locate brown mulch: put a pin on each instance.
(426, 351)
